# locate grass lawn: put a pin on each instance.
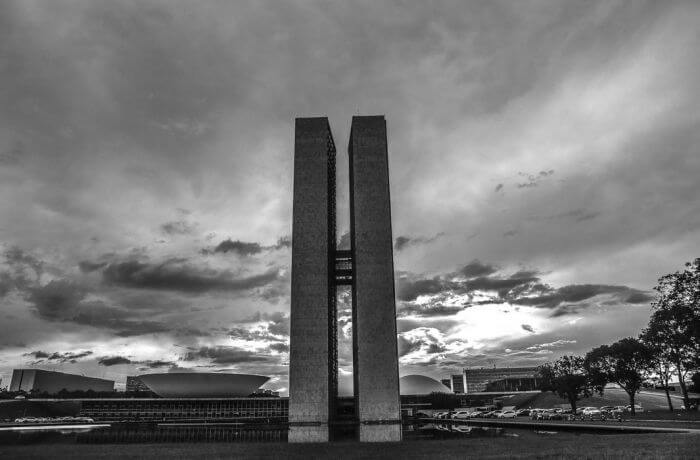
(529, 445)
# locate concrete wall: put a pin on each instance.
(309, 382)
(374, 314)
(53, 382)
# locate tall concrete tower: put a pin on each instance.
(318, 268)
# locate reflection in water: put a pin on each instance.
(380, 433)
(427, 431)
(308, 433)
(187, 433)
(196, 433)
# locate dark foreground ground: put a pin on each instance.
(562, 445)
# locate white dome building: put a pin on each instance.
(420, 385)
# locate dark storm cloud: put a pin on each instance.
(24, 271)
(501, 285)
(245, 249)
(565, 310)
(407, 346)
(65, 357)
(426, 311)
(283, 242)
(402, 242)
(146, 364)
(113, 360)
(279, 347)
(37, 354)
(551, 298)
(157, 364)
(246, 334)
(277, 322)
(434, 348)
(412, 289)
(523, 287)
(269, 327)
(178, 276)
(63, 301)
(6, 284)
(56, 299)
(226, 355)
(476, 268)
(238, 247)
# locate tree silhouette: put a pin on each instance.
(627, 362)
(567, 378)
(674, 327)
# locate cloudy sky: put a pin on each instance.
(544, 163)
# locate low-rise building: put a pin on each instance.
(51, 382)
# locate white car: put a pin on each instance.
(461, 414)
(592, 412)
(508, 414)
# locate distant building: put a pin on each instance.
(41, 381)
(458, 384)
(265, 393)
(494, 379)
(135, 385)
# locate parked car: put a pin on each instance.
(523, 412)
(462, 414)
(592, 413)
(637, 408)
(508, 414)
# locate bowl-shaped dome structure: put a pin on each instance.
(420, 385)
(203, 385)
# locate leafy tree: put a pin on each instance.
(626, 362)
(674, 327)
(696, 382)
(664, 370)
(567, 378)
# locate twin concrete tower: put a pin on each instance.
(318, 268)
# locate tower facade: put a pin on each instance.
(318, 268)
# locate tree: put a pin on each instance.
(696, 382)
(567, 378)
(664, 370)
(626, 362)
(674, 326)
